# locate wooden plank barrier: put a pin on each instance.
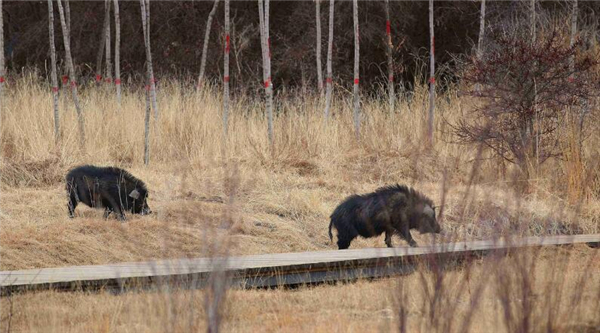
(265, 270)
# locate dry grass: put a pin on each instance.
(357, 307)
(280, 202)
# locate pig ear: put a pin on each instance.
(135, 194)
(429, 211)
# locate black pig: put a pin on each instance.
(111, 188)
(389, 209)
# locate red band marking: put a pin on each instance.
(355, 81)
(147, 87)
(226, 79)
(65, 79)
(55, 89)
(2, 79)
(267, 83)
(388, 27)
(328, 80)
(227, 43)
(432, 80)
(153, 80)
(73, 84)
(98, 78)
(117, 81)
(391, 78)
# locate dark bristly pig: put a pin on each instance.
(112, 189)
(389, 210)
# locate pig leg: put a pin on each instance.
(115, 207)
(107, 212)
(72, 199)
(405, 231)
(388, 238)
(72, 204)
(343, 243)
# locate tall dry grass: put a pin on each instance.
(236, 196)
(284, 196)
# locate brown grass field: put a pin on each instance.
(238, 196)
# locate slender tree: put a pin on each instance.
(319, 66)
(533, 22)
(1, 59)
(481, 29)
(356, 69)
(117, 51)
(205, 44)
(67, 43)
(102, 45)
(147, 128)
(535, 124)
(53, 75)
(263, 15)
(68, 14)
(108, 76)
(574, 15)
(431, 75)
(329, 80)
(390, 59)
(226, 72)
(145, 6)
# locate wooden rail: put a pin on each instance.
(267, 270)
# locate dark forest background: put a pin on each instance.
(177, 32)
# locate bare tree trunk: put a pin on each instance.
(147, 128)
(263, 15)
(101, 46)
(390, 59)
(108, 76)
(329, 80)
(430, 119)
(226, 73)
(269, 79)
(533, 22)
(53, 75)
(145, 5)
(68, 14)
(117, 51)
(1, 60)
(574, 15)
(319, 66)
(356, 69)
(481, 30)
(205, 44)
(534, 143)
(66, 39)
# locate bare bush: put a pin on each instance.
(526, 91)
